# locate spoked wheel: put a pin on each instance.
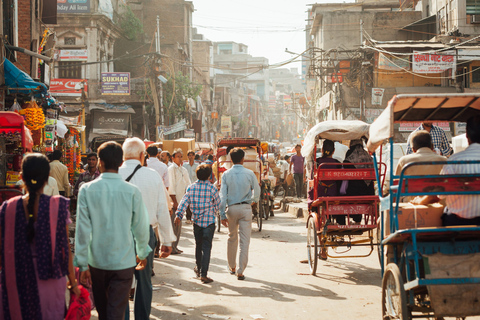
(257, 217)
(266, 209)
(312, 246)
(394, 298)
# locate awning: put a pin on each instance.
(420, 23)
(16, 79)
(107, 107)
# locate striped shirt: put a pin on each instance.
(439, 140)
(204, 201)
(465, 206)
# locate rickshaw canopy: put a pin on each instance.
(422, 107)
(336, 130)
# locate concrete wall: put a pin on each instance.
(201, 60)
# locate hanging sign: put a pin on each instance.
(377, 96)
(433, 62)
(177, 127)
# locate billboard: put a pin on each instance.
(111, 123)
(67, 87)
(73, 6)
(115, 83)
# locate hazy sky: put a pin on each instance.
(267, 27)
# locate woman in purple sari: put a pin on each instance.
(35, 253)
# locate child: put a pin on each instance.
(204, 201)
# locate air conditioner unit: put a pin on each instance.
(475, 18)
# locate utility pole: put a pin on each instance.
(153, 84)
(157, 42)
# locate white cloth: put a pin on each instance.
(284, 166)
(465, 206)
(160, 167)
(51, 189)
(153, 194)
(179, 181)
(192, 174)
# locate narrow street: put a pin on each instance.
(277, 285)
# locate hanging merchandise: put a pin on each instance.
(73, 154)
(15, 106)
(33, 114)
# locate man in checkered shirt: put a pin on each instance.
(204, 201)
(439, 139)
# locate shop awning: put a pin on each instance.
(16, 79)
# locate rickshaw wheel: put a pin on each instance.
(258, 217)
(394, 298)
(312, 246)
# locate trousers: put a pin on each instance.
(298, 178)
(239, 224)
(203, 247)
(177, 230)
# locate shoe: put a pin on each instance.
(206, 280)
(153, 273)
(188, 222)
(240, 277)
(232, 271)
(197, 273)
(271, 214)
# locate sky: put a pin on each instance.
(267, 27)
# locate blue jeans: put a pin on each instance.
(203, 247)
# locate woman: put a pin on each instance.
(35, 251)
(326, 188)
(357, 154)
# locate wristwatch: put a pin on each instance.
(70, 287)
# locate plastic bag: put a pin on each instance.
(15, 106)
(80, 307)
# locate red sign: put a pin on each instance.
(67, 87)
(335, 77)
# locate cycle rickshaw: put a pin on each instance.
(432, 271)
(322, 231)
(253, 161)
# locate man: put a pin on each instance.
(152, 189)
(439, 139)
(191, 166)
(179, 181)
(464, 209)
(423, 147)
(236, 192)
(297, 162)
(157, 165)
(60, 173)
(166, 158)
(202, 197)
(112, 223)
(90, 174)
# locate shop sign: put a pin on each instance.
(177, 127)
(12, 178)
(73, 55)
(214, 115)
(115, 83)
(392, 63)
(411, 126)
(377, 96)
(468, 54)
(226, 124)
(73, 6)
(188, 134)
(111, 123)
(67, 87)
(335, 77)
(434, 62)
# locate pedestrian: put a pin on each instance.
(33, 284)
(157, 165)
(179, 181)
(297, 162)
(203, 199)
(91, 173)
(152, 189)
(236, 193)
(191, 167)
(439, 139)
(60, 173)
(112, 222)
(166, 158)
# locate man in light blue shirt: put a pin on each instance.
(236, 192)
(111, 220)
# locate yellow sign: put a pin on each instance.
(12, 178)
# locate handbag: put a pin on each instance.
(80, 307)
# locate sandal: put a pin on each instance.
(197, 273)
(206, 280)
(232, 271)
(323, 254)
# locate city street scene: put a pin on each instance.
(274, 159)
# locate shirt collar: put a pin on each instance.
(152, 159)
(131, 162)
(175, 165)
(425, 150)
(110, 175)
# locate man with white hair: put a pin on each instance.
(152, 189)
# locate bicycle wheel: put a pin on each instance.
(266, 209)
(312, 246)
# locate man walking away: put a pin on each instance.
(236, 192)
(297, 162)
(151, 187)
(203, 199)
(112, 223)
(157, 165)
(439, 139)
(60, 173)
(91, 173)
(191, 167)
(179, 181)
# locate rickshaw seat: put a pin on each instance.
(346, 200)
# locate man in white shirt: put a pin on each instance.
(152, 189)
(157, 165)
(179, 181)
(191, 167)
(60, 173)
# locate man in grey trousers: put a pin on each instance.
(236, 193)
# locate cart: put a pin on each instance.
(322, 231)
(256, 165)
(432, 271)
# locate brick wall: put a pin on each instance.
(24, 35)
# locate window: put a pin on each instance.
(70, 41)
(473, 6)
(476, 74)
(70, 70)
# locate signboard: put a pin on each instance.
(73, 6)
(111, 123)
(468, 54)
(410, 126)
(377, 96)
(392, 63)
(189, 133)
(226, 124)
(115, 83)
(66, 87)
(73, 55)
(335, 77)
(433, 63)
(177, 127)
